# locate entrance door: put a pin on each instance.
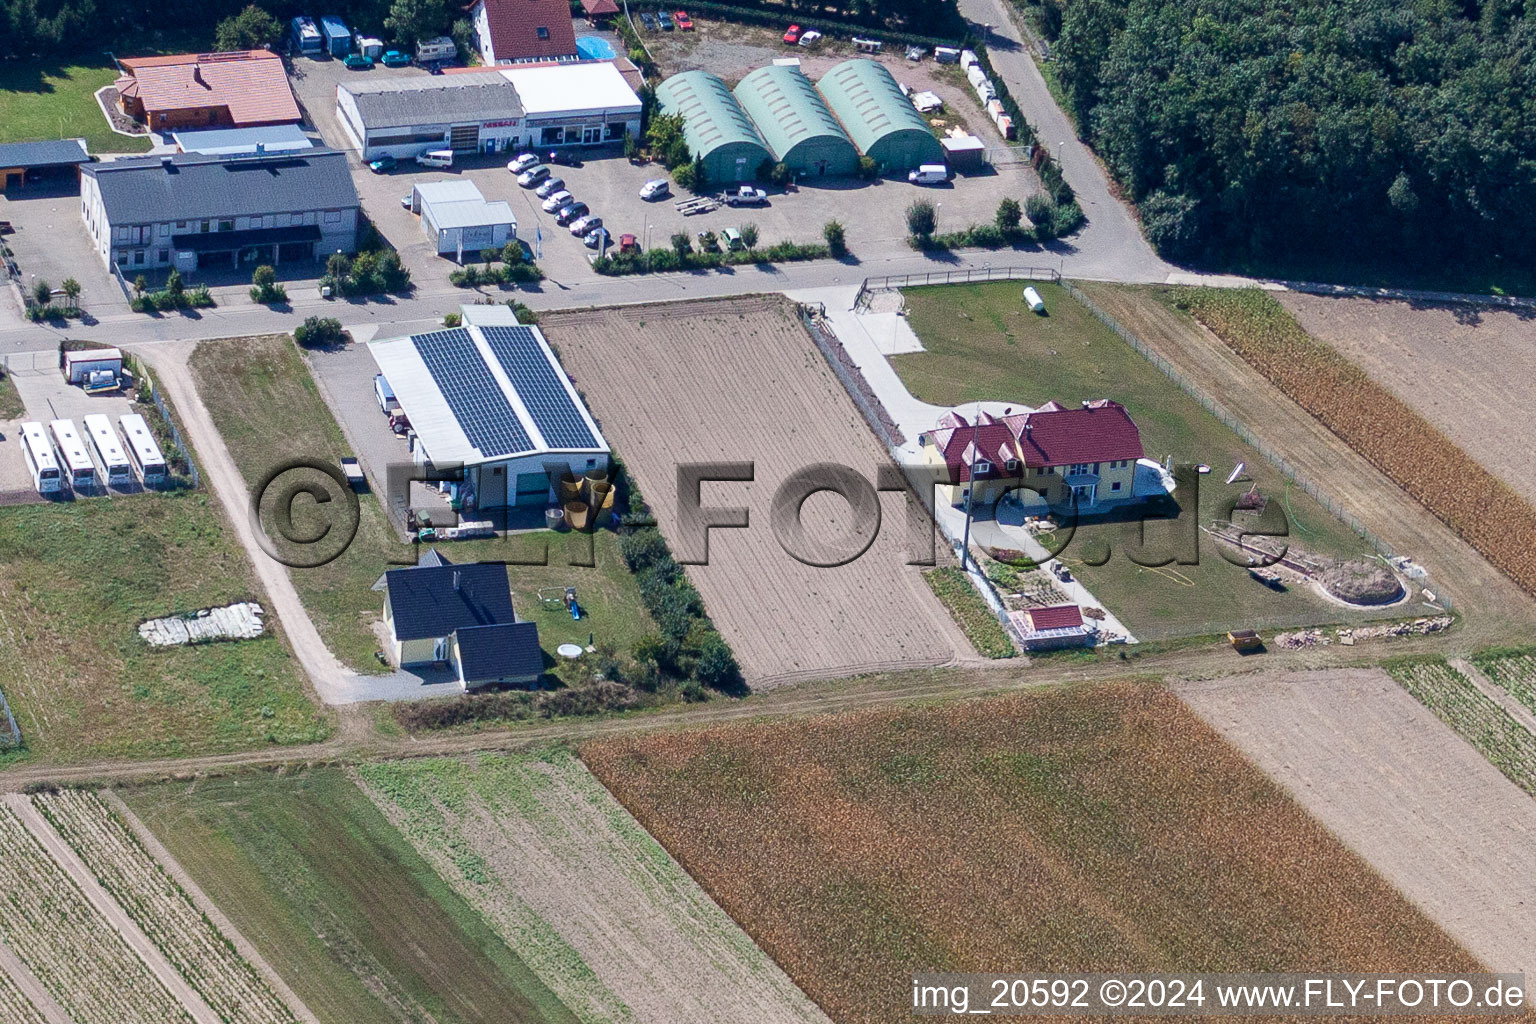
(592, 135)
(493, 487)
(1083, 493)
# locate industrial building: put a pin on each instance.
(276, 138)
(881, 120)
(717, 130)
(401, 117)
(578, 104)
(512, 31)
(459, 220)
(239, 88)
(490, 398)
(21, 162)
(584, 103)
(192, 210)
(795, 122)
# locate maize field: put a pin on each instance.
(1457, 702)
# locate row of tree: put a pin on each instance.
(74, 27)
(1299, 127)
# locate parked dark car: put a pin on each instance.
(564, 157)
(572, 212)
(648, 20)
(665, 20)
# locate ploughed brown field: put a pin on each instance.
(740, 381)
(1094, 829)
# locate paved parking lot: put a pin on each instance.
(345, 377)
(48, 397)
(50, 242)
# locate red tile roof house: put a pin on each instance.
(517, 31)
(1051, 627)
(239, 88)
(1058, 453)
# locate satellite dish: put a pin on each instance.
(1237, 471)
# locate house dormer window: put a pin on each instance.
(982, 466)
(543, 33)
(1013, 465)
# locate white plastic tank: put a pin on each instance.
(1036, 303)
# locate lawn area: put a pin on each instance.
(1100, 829)
(243, 380)
(45, 98)
(77, 578)
(954, 589)
(983, 343)
(11, 405)
(341, 906)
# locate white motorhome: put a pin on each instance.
(41, 462)
(441, 48)
(72, 456)
(143, 450)
(107, 450)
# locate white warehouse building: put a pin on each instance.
(491, 398)
(513, 107)
(459, 220)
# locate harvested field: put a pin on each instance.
(599, 911)
(68, 945)
(1397, 787)
(339, 904)
(1492, 606)
(199, 951)
(1491, 515)
(1094, 829)
(740, 381)
(1462, 368)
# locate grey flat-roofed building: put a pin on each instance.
(195, 210)
(402, 117)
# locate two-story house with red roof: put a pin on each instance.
(1085, 454)
(519, 31)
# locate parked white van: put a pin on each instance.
(436, 158)
(929, 174)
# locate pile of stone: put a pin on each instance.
(1418, 627)
(240, 621)
(1301, 639)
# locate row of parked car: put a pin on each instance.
(570, 212)
(664, 22)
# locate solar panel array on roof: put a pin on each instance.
(483, 412)
(540, 388)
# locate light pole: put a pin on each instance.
(970, 492)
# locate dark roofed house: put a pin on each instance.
(195, 210)
(515, 31)
(1084, 456)
(21, 160)
(439, 612)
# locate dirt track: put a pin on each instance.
(740, 381)
(1401, 790)
(1495, 609)
(1470, 372)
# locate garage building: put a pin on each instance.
(403, 117)
(881, 121)
(21, 162)
(794, 120)
(718, 131)
(490, 397)
(578, 104)
(461, 221)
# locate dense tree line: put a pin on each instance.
(1256, 129)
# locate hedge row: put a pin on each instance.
(1482, 509)
(663, 260)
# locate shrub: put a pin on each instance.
(922, 219)
(1008, 215)
(717, 666)
(778, 174)
(709, 242)
(174, 284)
(681, 244)
(264, 286)
(1041, 209)
(71, 291)
(452, 319)
(319, 332)
(512, 252)
(42, 292)
(749, 235)
(686, 177)
(661, 260)
(868, 169)
(837, 245)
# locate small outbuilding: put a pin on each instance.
(1052, 627)
(461, 221)
(795, 122)
(338, 38)
(24, 161)
(881, 120)
(717, 130)
(274, 138)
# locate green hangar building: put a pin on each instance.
(718, 132)
(800, 130)
(883, 123)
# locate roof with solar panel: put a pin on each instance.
(488, 390)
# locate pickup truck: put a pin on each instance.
(746, 195)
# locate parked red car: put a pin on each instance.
(792, 36)
(683, 21)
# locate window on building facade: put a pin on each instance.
(226, 225)
(983, 466)
(165, 255)
(1115, 486)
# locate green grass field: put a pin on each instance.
(242, 380)
(984, 344)
(341, 906)
(50, 99)
(77, 578)
(11, 405)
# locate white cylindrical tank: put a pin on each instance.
(1036, 303)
